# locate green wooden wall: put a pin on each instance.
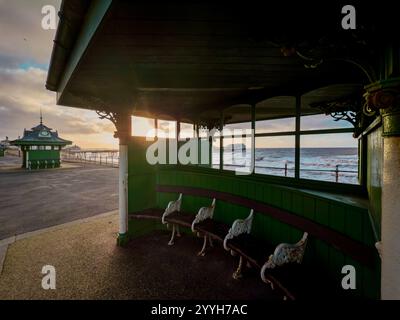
(141, 176)
(44, 155)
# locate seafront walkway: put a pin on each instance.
(89, 265)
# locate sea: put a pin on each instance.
(325, 164)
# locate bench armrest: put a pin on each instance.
(239, 227)
(286, 253)
(172, 207)
(203, 214)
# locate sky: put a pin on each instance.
(25, 50)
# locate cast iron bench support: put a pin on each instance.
(284, 254)
(239, 227)
(203, 214)
(173, 206)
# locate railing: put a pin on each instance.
(286, 169)
(100, 157)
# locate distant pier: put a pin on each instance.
(106, 157)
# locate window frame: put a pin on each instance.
(297, 133)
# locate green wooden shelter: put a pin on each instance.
(41, 147)
(216, 64)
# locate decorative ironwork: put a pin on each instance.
(109, 115)
(348, 109)
(173, 206)
(382, 96)
(286, 253)
(203, 214)
(239, 227)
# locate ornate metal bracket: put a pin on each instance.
(348, 109)
(107, 115)
(120, 120)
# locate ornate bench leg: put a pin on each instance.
(171, 241)
(202, 252)
(238, 273)
(178, 233)
(210, 241)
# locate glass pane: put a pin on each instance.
(276, 125)
(187, 131)
(275, 155)
(336, 161)
(237, 153)
(166, 129)
(143, 127)
(322, 121)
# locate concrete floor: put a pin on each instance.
(32, 200)
(89, 265)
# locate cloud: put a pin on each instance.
(22, 95)
(25, 51)
(21, 33)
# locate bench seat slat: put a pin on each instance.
(251, 248)
(218, 230)
(182, 218)
(152, 213)
(298, 281)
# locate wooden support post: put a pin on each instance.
(383, 96)
(253, 138)
(123, 132)
(297, 138)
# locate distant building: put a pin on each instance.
(4, 144)
(40, 147)
(73, 148)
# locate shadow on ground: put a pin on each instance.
(90, 266)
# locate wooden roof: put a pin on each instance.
(192, 60)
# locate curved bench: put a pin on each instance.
(254, 251)
(279, 266)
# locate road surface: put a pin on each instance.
(32, 200)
